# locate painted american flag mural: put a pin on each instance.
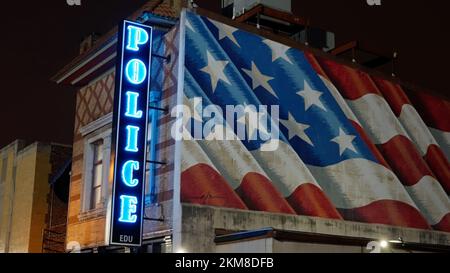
(352, 147)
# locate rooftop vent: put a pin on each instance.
(239, 7)
(276, 16)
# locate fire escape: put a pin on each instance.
(54, 236)
(54, 241)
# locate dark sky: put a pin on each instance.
(40, 37)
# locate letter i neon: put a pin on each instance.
(132, 112)
(132, 139)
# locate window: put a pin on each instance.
(97, 154)
(97, 175)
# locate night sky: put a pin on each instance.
(40, 37)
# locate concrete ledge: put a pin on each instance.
(200, 222)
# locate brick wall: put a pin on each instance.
(93, 102)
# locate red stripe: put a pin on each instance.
(444, 224)
(393, 93)
(403, 157)
(203, 185)
(435, 158)
(259, 194)
(434, 111)
(317, 67)
(369, 143)
(440, 166)
(387, 212)
(352, 84)
(310, 200)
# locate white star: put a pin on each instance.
(259, 79)
(296, 129)
(226, 31)
(311, 97)
(278, 51)
(215, 69)
(344, 141)
(189, 25)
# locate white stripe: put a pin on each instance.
(443, 138)
(285, 168)
(193, 155)
(431, 199)
(357, 183)
(416, 128)
(340, 100)
(377, 118)
(232, 159)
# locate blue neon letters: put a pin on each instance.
(136, 37)
(128, 209)
(132, 139)
(136, 72)
(127, 173)
(132, 99)
(130, 119)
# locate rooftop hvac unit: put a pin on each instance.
(317, 38)
(283, 21)
(240, 6)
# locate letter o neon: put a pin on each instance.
(135, 71)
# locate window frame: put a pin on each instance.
(96, 163)
(89, 167)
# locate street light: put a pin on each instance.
(399, 240)
(181, 251)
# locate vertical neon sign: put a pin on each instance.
(130, 132)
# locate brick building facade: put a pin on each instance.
(199, 220)
(30, 209)
(88, 223)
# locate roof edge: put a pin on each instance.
(103, 41)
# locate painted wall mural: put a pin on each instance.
(326, 140)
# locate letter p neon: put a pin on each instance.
(136, 36)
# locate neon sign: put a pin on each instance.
(130, 132)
